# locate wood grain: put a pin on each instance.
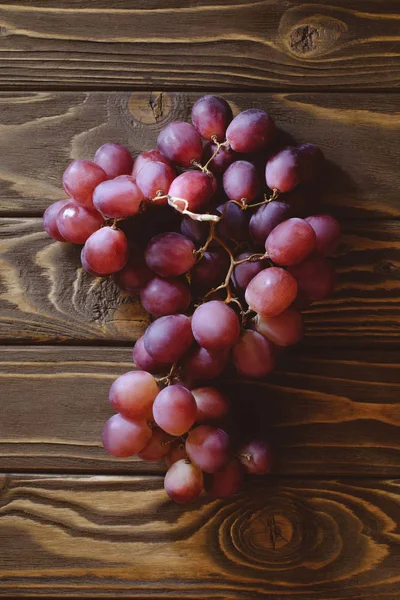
(46, 296)
(261, 44)
(121, 537)
(42, 131)
(331, 412)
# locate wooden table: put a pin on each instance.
(73, 521)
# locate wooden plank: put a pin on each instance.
(47, 297)
(121, 537)
(42, 131)
(263, 44)
(329, 412)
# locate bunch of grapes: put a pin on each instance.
(218, 241)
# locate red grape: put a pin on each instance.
(168, 338)
(212, 405)
(290, 242)
(211, 116)
(208, 448)
(114, 159)
(177, 452)
(250, 131)
(118, 198)
(85, 264)
(244, 273)
(271, 291)
(193, 186)
(180, 143)
(316, 278)
(215, 326)
(221, 160)
(170, 254)
(284, 329)
(122, 437)
(133, 394)
(226, 482)
(241, 182)
(210, 270)
(234, 224)
(155, 178)
(80, 180)
(312, 160)
(162, 297)
(204, 365)
(327, 231)
(106, 251)
(158, 446)
(255, 456)
(253, 355)
(197, 231)
(77, 223)
(148, 156)
(134, 275)
(266, 218)
(175, 409)
(50, 219)
(144, 361)
(283, 170)
(183, 482)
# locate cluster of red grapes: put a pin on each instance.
(220, 232)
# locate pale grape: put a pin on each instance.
(253, 355)
(183, 482)
(118, 198)
(211, 116)
(170, 254)
(175, 410)
(144, 361)
(169, 338)
(204, 365)
(180, 143)
(148, 156)
(133, 394)
(50, 219)
(123, 437)
(193, 189)
(215, 326)
(284, 329)
(114, 159)
(80, 180)
(241, 182)
(154, 179)
(271, 291)
(208, 448)
(291, 242)
(283, 170)
(212, 404)
(106, 251)
(77, 223)
(250, 131)
(266, 218)
(328, 233)
(161, 297)
(158, 446)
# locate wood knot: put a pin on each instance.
(150, 108)
(311, 36)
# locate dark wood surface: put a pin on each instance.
(73, 521)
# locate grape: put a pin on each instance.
(80, 180)
(244, 273)
(50, 219)
(118, 198)
(175, 409)
(221, 161)
(284, 329)
(114, 159)
(215, 326)
(211, 116)
(250, 131)
(290, 242)
(226, 482)
(180, 143)
(210, 270)
(266, 218)
(253, 355)
(197, 231)
(144, 361)
(134, 276)
(212, 405)
(312, 160)
(157, 447)
(271, 291)
(193, 186)
(148, 156)
(183, 482)
(241, 182)
(177, 452)
(316, 278)
(106, 251)
(234, 224)
(202, 364)
(77, 223)
(169, 338)
(85, 264)
(255, 456)
(170, 254)
(162, 297)
(122, 437)
(327, 231)
(133, 394)
(208, 448)
(155, 178)
(283, 170)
